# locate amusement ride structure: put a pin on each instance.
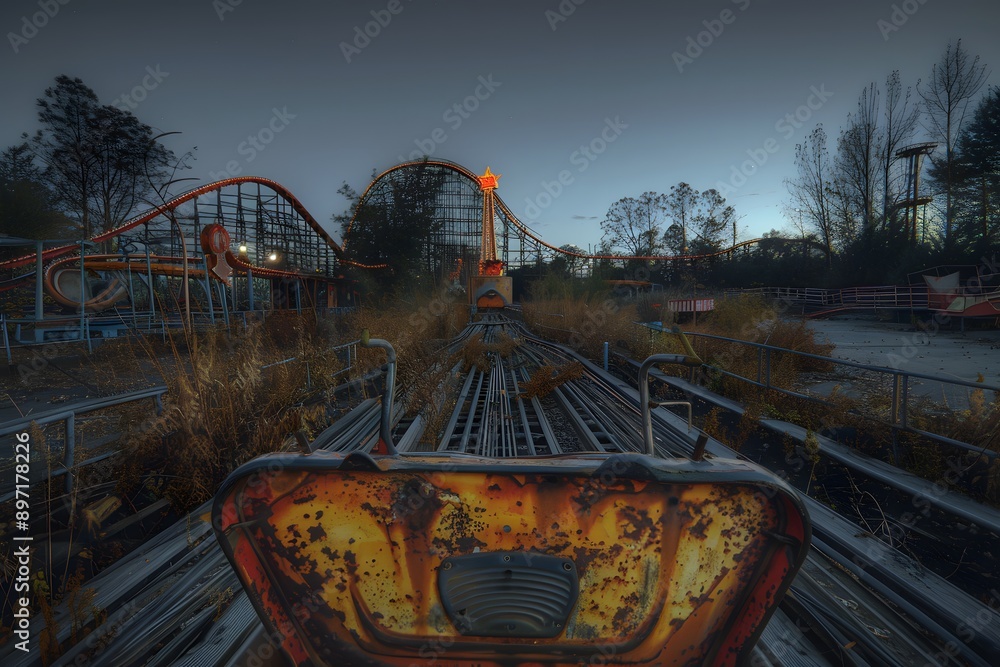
(231, 245)
(246, 243)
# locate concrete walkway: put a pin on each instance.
(951, 355)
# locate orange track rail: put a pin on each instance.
(60, 251)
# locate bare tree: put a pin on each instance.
(843, 211)
(94, 155)
(128, 164)
(633, 224)
(901, 118)
(810, 190)
(712, 219)
(955, 80)
(860, 154)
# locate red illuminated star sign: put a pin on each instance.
(489, 180)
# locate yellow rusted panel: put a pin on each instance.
(664, 568)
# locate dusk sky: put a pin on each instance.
(619, 97)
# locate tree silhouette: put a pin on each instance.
(95, 156)
(955, 80)
(395, 224)
(976, 172)
(27, 207)
(633, 224)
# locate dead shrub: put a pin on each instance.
(547, 377)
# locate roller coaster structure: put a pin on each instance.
(459, 236)
(273, 239)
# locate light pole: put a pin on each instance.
(244, 256)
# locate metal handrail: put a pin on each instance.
(881, 295)
(843, 362)
(68, 415)
(385, 430)
(900, 386)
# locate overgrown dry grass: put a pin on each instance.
(754, 320)
(861, 422)
(224, 407)
(477, 352)
(587, 323)
(419, 332)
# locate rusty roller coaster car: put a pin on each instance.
(399, 559)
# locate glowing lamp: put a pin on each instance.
(489, 180)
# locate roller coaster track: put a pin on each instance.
(171, 205)
(856, 601)
(138, 265)
(528, 232)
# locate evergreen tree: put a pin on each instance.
(395, 225)
(977, 173)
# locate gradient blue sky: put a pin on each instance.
(225, 66)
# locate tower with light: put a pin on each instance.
(490, 289)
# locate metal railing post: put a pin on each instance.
(894, 409)
(149, 288)
(224, 302)
(644, 403)
(894, 418)
(83, 298)
(250, 304)
(905, 389)
(385, 429)
(6, 339)
(39, 303)
(69, 453)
